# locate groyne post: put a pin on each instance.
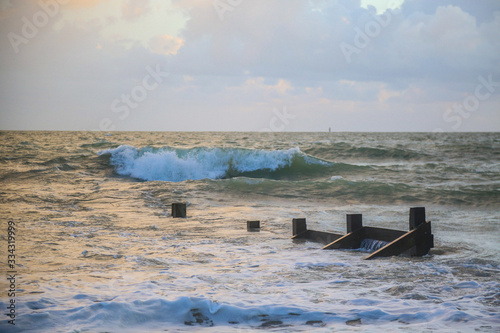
(354, 222)
(253, 225)
(178, 209)
(354, 236)
(426, 239)
(299, 226)
(417, 217)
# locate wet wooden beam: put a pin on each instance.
(383, 234)
(321, 236)
(299, 231)
(354, 239)
(416, 242)
(350, 241)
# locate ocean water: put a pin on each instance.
(97, 250)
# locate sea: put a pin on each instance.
(88, 242)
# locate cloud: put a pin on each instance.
(134, 9)
(81, 3)
(165, 44)
(407, 67)
(292, 40)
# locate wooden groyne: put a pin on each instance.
(415, 242)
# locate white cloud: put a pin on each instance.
(165, 44)
(134, 9)
(261, 55)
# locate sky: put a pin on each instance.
(250, 65)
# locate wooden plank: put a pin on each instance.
(350, 241)
(353, 239)
(322, 237)
(383, 234)
(317, 236)
(421, 238)
(301, 235)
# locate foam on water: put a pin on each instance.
(372, 245)
(142, 310)
(169, 164)
(156, 313)
(98, 252)
(365, 180)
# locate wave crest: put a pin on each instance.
(170, 164)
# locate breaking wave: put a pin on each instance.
(288, 173)
(176, 165)
(201, 313)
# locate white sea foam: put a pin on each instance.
(372, 245)
(101, 254)
(168, 164)
(152, 314)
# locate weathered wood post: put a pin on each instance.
(253, 225)
(425, 239)
(178, 209)
(417, 217)
(298, 226)
(354, 222)
(353, 238)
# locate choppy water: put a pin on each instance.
(97, 249)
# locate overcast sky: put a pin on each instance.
(250, 65)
